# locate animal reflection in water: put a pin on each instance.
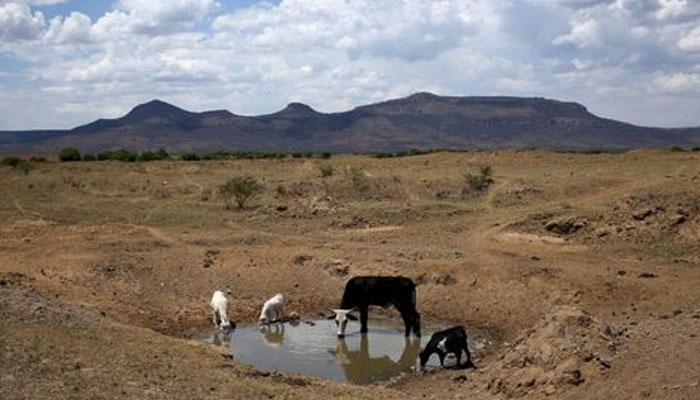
(221, 338)
(273, 334)
(360, 367)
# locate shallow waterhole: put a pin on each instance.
(312, 347)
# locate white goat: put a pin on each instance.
(219, 305)
(273, 310)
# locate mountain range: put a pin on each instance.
(419, 121)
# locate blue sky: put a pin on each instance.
(64, 63)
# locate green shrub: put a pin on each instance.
(17, 163)
(326, 155)
(123, 155)
(89, 157)
(676, 149)
(146, 156)
(161, 154)
(696, 148)
(326, 170)
(357, 177)
(189, 157)
(37, 159)
(296, 155)
(11, 161)
(69, 154)
(479, 182)
(241, 189)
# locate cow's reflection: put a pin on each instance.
(273, 334)
(221, 338)
(361, 368)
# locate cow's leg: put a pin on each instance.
(442, 358)
(215, 318)
(458, 353)
(406, 322)
(416, 325)
(364, 315)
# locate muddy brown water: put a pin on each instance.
(312, 347)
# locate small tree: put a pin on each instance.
(11, 161)
(69, 154)
(326, 170)
(189, 157)
(481, 181)
(241, 189)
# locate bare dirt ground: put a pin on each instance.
(583, 270)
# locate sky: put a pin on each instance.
(64, 63)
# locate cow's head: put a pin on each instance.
(341, 318)
(424, 357)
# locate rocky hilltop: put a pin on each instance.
(422, 120)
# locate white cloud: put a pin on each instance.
(17, 22)
(69, 30)
(153, 16)
(405, 29)
(625, 59)
(691, 41)
(678, 82)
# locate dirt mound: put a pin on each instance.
(568, 348)
(650, 217)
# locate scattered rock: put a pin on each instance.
(622, 272)
(678, 219)
(301, 259)
(573, 377)
(642, 215)
(209, 258)
(444, 279)
(337, 267)
(282, 208)
(550, 390)
(565, 226)
(459, 378)
(648, 275)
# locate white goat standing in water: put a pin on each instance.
(273, 310)
(219, 305)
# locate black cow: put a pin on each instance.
(363, 291)
(452, 340)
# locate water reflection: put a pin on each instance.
(221, 338)
(313, 348)
(273, 334)
(361, 368)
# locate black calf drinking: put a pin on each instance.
(452, 340)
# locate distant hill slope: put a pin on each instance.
(422, 120)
